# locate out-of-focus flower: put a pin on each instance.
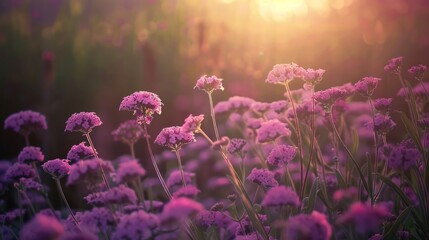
(271, 130)
(311, 227)
(28, 184)
(25, 122)
(404, 156)
(174, 180)
(87, 171)
(82, 122)
(128, 132)
(206, 219)
(394, 64)
(280, 196)
(97, 220)
(312, 77)
(217, 145)
(128, 171)
(57, 168)
(366, 85)
(382, 104)
(8, 217)
(418, 71)
(365, 219)
(188, 192)
(236, 145)
(263, 177)
(209, 84)
(279, 106)
(240, 104)
(174, 137)
(42, 227)
(179, 209)
(282, 73)
(329, 96)
(383, 124)
(143, 104)
(30, 154)
(117, 195)
(281, 155)
(136, 226)
(192, 123)
(19, 170)
(80, 152)
(260, 107)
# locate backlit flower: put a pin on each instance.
(25, 122)
(209, 84)
(143, 104)
(82, 122)
(174, 137)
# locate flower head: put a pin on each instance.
(116, 195)
(174, 180)
(188, 192)
(11, 215)
(30, 154)
(366, 85)
(260, 107)
(143, 104)
(82, 122)
(329, 96)
(19, 170)
(382, 104)
(279, 106)
(312, 77)
(179, 209)
(280, 196)
(25, 122)
(404, 156)
(383, 124)
(312, 227)
(418, 71)
(128, 132)
(80, 152)
(57, 168)
(97, 220)
(281, 155)
(87, 171)
(282, 73)
(263, 177)
(271, 130)
(192, 123)
(209, 84)
(236, 145)
(394, 64)
(42, 227)
(137, 226)
(129, 170)
(174, 137)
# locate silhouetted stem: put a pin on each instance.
(179, 163)
(155, 165)
(212, 113)
(103, 175)
(60, 189)
(29, 201)
(313, 136)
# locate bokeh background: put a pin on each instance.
(64, 56)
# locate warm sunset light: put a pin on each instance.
(214, 120)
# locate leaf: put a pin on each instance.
(340, 179)
(312, 197)
(396, 189)
(391, 232)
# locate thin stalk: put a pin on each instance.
(155, 165)
(179, 162)
(60, 189)
(45, 196)
(289, 177)
(133, 153)
(243, 169)
(103, 175)
(212, 113)
(313, 136)
(375, 143)
(137, 187)
(365, 184)
(33, 210)
(298, 133)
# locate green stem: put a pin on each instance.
(60, 189)
(133, 154)
(212, 113)
(179, 162)
(103, 175)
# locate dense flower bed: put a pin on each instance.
(316, 165)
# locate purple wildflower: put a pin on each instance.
(279, 106)
(117, 195)
(143, 104)
(87, 171)
(192, 123)
(28, 184)
(263, 177)
(382, 104)
(209, 84)
(97, 220)
(136, 226)
(19, 170)
(206, 219)
(222, 108)
(312, 77)
(10, 216)
(365, 219)
(329, 96)
(42, 227)
(57, 168)
(174, 180)
(82, 122)
(30, 154)
(260, 107)
(281, 155)
(404, 156)
(271, 130)
(128, 132)
(282, 73)
(180, 209)
(246, 231)
(25, 122)
(188, 192)
(253, 123)
(236, 145)
(174, 137)
(418, 71)
(128, 171)
(394, 64)
(240, 104)
(80, 152)
(312, 227)
(280, 196)
(366, 85)
(383, 124)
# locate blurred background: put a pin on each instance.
(64, 56)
